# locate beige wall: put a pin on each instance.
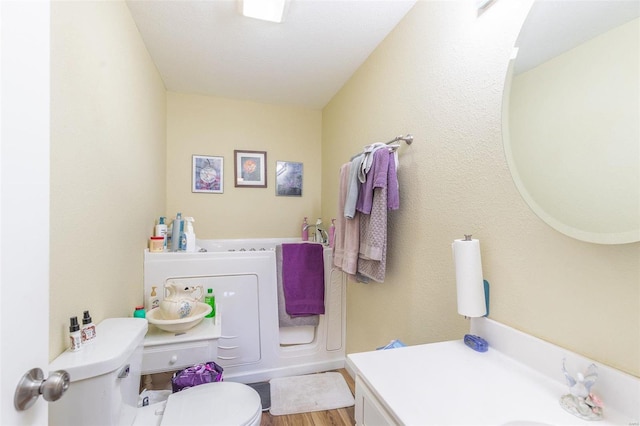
(107, 162)
(440, 76)
(204, 125)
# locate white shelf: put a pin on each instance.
(208, 329)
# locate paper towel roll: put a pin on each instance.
(469, 281)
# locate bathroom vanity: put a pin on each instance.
(518, 381)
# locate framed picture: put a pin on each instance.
(207, 174)
(250, 168)
(288, 178)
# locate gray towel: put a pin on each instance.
(284, 319)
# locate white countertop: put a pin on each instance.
(449, 383)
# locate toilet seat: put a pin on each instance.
(221, 403)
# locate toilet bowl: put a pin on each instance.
(105, 379)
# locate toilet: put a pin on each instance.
(105, 380)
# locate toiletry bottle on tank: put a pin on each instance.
(88, 331)
(75, 339)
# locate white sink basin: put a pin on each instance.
(201, 310)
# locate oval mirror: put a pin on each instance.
(571, 116)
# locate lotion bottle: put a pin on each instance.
(88, 332)
(75, 339)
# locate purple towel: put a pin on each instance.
(303, 278)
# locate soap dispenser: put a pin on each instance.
(154, 300)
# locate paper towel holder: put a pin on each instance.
(485, 284)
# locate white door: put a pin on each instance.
(24, 201)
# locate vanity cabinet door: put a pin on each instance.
(369, 411)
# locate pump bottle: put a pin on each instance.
(154, 300)
(88, 332)
(75, 339)
(189, 235)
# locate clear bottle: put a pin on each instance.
(88, 332)
(74, 334)
(305, 230)
(210, 299)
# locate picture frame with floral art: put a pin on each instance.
(250, 169)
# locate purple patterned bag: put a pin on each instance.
(195, 375)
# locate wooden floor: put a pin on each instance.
(339, 417)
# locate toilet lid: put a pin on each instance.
(221, 403)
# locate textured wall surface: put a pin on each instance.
(205, 125)
(440, 75)
(107, 162)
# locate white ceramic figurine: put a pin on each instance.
(580, 401)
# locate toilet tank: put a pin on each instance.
(105, 376)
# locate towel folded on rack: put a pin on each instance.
(303, 278)
(353, 187)
(284, 319)
(347, 236)
(382, 174)
(380, 195)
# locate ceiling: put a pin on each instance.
(207, 47)
(554, 27)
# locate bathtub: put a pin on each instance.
(242, 273)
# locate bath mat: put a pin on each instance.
(264, 390)
(311, 392)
